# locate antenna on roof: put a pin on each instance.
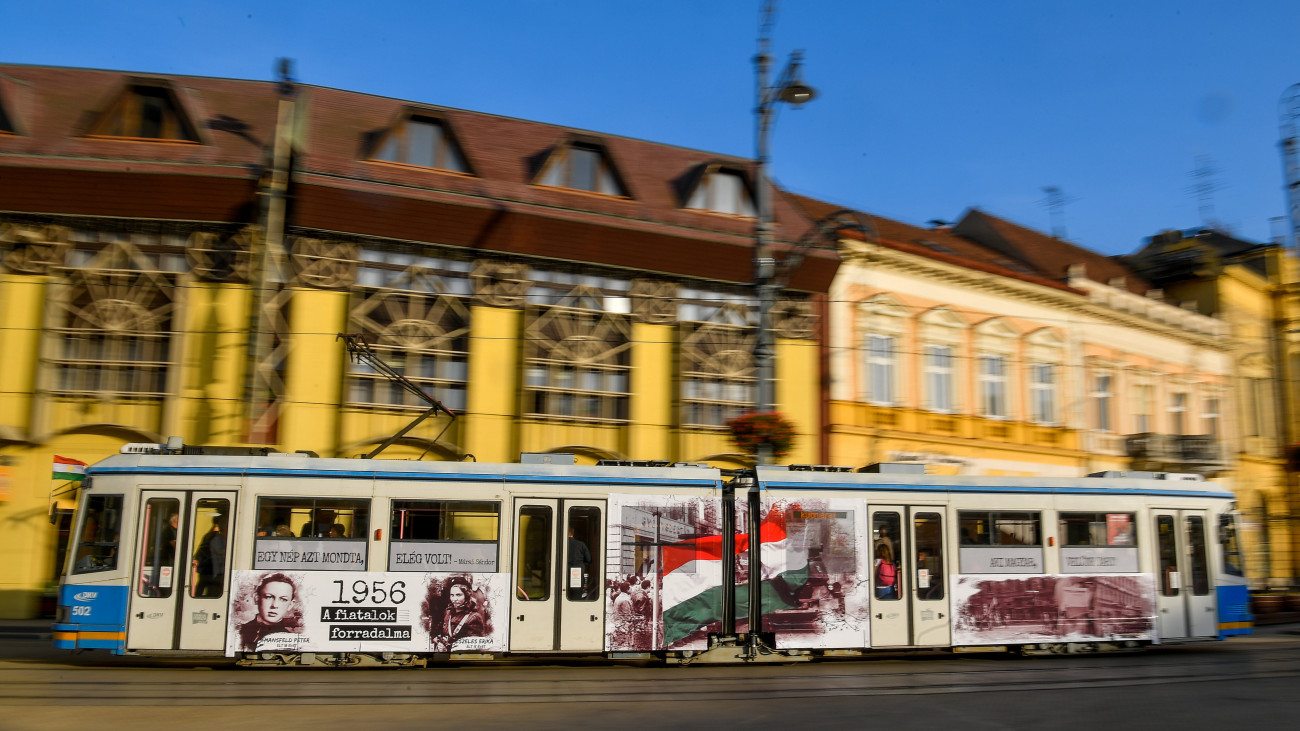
(1290, 124)
(1203, 186)
(284, 76)
(1055, 203)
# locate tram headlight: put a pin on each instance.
(63, 614)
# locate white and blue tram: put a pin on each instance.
(292, 559)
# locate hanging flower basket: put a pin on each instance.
(752, 429)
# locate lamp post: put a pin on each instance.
(789, 88)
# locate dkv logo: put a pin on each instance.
(85, 596)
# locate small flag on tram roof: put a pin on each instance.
(66, 468)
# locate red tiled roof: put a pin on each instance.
(938, 244)
(54, 107)
(1049, 255)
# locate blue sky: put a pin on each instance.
(926, 107)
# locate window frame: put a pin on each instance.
(558, 370)
(269, 508)
(445, 152)
(560, 172)
(881, 367)
(474, 558)
(111, 504)
(1103, 402)
(1143, 402)
(1230, 545)
(993, 386)
(940, 377)
(705, 197)
(128, 112)
(992, 516)
(1212, 416)
(1178, 412)
(1042, 394)
(1063, 516)
(987, 557)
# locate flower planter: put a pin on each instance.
(754, 429)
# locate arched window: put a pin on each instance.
(881, 324)
(416, 312)
(941, 334)
(577, 354)
(114, 322)
(1045, 353)
(995, 347)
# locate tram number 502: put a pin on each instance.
(375, 591)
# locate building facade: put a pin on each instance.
(985, 348)
(180, 254)
(1244, 284)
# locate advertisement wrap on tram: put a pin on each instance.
(294, 559)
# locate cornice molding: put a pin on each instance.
(875, 255)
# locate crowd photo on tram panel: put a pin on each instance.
(632, 619)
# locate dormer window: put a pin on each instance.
(581, 166)
(723, 190)
(146, 113)
(6, 126)
(422, 141)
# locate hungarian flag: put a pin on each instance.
(692, 586)
(66, 468)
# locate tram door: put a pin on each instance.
(181, 570)
(909, 597)
(1184, 592)
(558, 570)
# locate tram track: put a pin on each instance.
(141, 686)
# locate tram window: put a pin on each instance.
(442, 520)
(999, 529)
(1098, 529)
(583, 549)
(1200, 563)
(312, 534)
(319, 518)
(158, 547)
(533, 572)
(210, 564)
(444, 535)
(1228, 543)
(97, 544)
(885, 534)
(1167, 542)
(929, 556)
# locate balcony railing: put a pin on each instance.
(1200, 453)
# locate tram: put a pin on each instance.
(292, 559)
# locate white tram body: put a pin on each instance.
(1001, 561)
(293, 559)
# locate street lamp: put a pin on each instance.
(790, 89)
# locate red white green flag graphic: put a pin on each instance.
(692, 579)
(66, 468)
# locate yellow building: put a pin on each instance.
(1246, 285)
(954, 348)
(179, 255)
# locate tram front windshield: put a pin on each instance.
(100, 526)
